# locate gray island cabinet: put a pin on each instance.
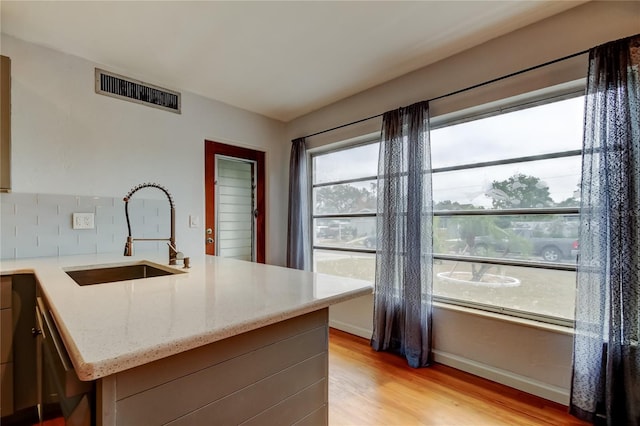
(276, 375)
(226, 343)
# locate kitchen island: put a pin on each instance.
(228, 342)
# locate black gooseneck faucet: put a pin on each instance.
(128, 248)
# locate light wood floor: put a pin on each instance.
(374, 388)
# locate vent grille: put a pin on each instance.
(120, 87)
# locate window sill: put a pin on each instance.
(560, 329)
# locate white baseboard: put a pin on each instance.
(350, 328)
(507, 378)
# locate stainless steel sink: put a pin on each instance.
(100, 274)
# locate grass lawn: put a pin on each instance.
(540, 291)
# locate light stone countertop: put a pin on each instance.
(111, 327)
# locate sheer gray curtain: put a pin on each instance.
(298, 242)
(606, 365)
(402, 297)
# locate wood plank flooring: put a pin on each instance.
(379, 389)
(374, 388)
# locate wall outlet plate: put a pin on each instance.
(83, 221)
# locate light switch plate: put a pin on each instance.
(83, 221)
(194, 221)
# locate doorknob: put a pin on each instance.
(209, 240)
(209, 231)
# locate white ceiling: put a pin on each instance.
(279, 59)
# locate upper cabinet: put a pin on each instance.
(5, 124)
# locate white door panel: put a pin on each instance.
(234, 208)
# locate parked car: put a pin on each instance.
(548, 248)
(554, 249)
(335, 230)
(551, 249)
(575, 250)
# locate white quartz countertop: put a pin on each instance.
(115, 326)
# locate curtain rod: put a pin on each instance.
(475, 86)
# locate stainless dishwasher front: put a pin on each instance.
(75, 397)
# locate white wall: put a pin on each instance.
(564, 34)
(66, 139)
(517, 353)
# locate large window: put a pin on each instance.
(506, 196)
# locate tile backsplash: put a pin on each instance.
(38, 225)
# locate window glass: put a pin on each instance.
(347, 233)
(355, 197)
(543, 129)
(345, 164)
(505, 234)
(344, 264)
(548, 237)
(533, 291)
(533, 184)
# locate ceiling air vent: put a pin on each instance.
(117, 86)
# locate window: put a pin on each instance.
(506, 197)
(344, 211)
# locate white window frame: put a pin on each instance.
(558, 93)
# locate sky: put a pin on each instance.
(547, 128)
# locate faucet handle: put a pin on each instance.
(178, 254)
(128, 247)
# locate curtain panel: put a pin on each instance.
(605, 385)
(403, 279)
(298, 229)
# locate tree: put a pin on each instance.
(453, 205)
(573, 201)
(343, 199)
(519, 191)
(569, 202)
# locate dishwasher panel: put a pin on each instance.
(73, 394)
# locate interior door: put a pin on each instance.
(235, 202)
(235, 208)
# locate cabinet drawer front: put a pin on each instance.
(6, 336)
(5, 292)
(6, 389)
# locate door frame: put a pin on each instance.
(211, 149)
